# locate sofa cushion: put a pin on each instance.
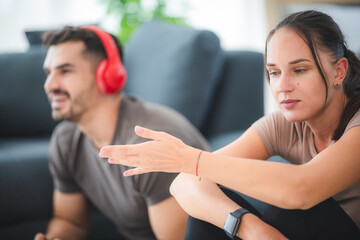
(174, 66)
(24, 109)
(26, 187)
(224, 139)
(239, 97)
(26, 192)
(22, 149)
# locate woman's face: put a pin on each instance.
(295, 81)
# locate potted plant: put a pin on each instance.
(132, 13)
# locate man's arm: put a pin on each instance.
(168, 220)
(71, 219)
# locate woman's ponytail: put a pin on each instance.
(351, 85)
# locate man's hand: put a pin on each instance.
(41, 236)
(71, 219)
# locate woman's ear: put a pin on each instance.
(341, 67)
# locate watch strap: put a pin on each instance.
(238, 214)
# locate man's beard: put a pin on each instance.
(78, 106)
(69, 116)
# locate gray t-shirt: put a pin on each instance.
(295, 143)
(76, 166)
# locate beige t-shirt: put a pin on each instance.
(295, 143)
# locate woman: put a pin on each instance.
(315, 80)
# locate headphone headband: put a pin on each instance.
(111, 49)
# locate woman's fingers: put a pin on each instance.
(161, 154)
(118, 151)
(126, 162)
(135, 171)
(151, 134)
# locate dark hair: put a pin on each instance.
(320, 31)
(91, 40)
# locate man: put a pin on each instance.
(84, 80)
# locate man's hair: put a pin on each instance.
(90, 39)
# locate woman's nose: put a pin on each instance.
(285, 83)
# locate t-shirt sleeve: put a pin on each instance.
(354, 122)
(59, 158)
(275, 132)
(155, 186)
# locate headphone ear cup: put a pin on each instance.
(110, 77)
(101, 76)
(115, 76)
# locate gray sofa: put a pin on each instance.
(220, 92)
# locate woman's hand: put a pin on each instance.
(164, 154)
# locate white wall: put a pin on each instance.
(240, 24)
(19, 15)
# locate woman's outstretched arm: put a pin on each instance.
(284, 185)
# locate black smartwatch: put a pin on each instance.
(233, 221)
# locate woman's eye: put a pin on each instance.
(300, 70)
(273, 73)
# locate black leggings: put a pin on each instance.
(327, 220)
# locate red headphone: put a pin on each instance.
(110, 73)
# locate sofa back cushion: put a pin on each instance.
(239, 97)
(24, 109)
(174, 66)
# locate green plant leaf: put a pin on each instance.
(132, 14)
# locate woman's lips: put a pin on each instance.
(290, 103)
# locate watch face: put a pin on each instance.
(232, 224)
